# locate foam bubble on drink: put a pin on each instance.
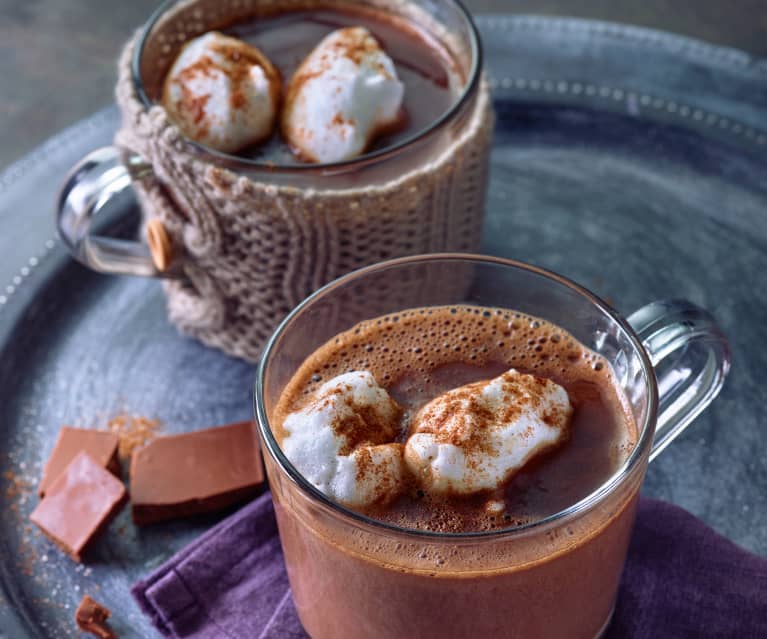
(222, 92)
(341, 441)
(344, 94)
(476, 437)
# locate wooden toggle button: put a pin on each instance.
(160, 246)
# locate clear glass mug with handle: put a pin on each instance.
(355, 576)
(239, 240)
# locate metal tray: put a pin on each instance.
(630, 160)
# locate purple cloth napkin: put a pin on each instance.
(681, 579)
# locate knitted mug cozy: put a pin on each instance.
(252, 250)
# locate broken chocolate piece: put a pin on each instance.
(99, 444)
(92, 617)
(198, 472)
(79, 504)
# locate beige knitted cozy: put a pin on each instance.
(252, 250)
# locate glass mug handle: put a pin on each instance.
(92, 182)
(691, 358)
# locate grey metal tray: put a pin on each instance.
(630, 160)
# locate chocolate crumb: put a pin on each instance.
(91, 617)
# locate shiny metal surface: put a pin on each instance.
(102, 174)
(631, 161)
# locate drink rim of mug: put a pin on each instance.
(580, 507)
(373, 157)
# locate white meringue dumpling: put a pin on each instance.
(342, 441)
(476, 437)
(344, 95)
(223, 92)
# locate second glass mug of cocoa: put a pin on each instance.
(240, 241)
(352, 576)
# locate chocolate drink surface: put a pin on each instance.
(419, 354)
(423, 65)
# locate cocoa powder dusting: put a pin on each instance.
(133, 431)
(17, 485)
(364, 463)
(350, 46)
(238, 100)
(17, 492)
(242, 58)
(363, 425)
(468, 432)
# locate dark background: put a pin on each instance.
(57, 57)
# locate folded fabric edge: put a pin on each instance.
(141, 588)
(147, 607)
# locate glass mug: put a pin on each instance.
(352, 576)
(240, 241)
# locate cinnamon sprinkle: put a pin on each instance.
(361, 425)
(17, 485)
(133, 431)
(242, 58)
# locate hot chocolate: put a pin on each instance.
(285, 36)
(543, 581)
(250, 236)
(420, 354)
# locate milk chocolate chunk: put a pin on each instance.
(99, 444)
(198, 472)
(79, 504)
(92, 617)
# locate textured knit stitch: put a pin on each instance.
(253, 250)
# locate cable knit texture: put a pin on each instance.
(252, 250)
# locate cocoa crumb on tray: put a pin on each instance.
(91, 617)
